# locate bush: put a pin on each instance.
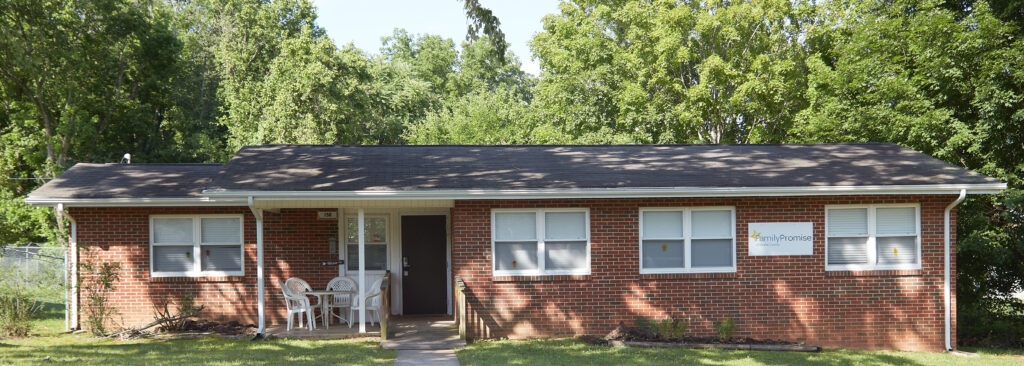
(186, 306)
(725, 329)
(98, 312)
(991, 324)
(16, 312)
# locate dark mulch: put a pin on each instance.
(624, 333)
(205, 326)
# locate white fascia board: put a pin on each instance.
(469, 194)
(123, 202)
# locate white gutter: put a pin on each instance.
(945, 283)
(71, 301)
(448, 194)
(260, 302)
(239, 198)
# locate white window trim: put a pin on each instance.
(540, 227)
(386, 244)
(687, 239)
(872, 264)
(196, 245)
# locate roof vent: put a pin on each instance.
(126, 159)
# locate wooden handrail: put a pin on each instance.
(385, 308)
(460, 306)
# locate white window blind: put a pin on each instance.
(173, 230)
(191, 246)
(848, 222)
(687, 240)
(541, 242)
(221, 230)
(873, 237)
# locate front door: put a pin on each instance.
(424, 265)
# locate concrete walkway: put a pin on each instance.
(424, 341)
(439, 357)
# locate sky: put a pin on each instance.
(365, 22)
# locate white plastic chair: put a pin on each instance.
(373, 304)
(297, 304)
(341, 301)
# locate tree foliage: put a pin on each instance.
(673, 72)
(194, 80)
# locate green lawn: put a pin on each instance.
(572, 352)
(83, 349)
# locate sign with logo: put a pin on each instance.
(780, 238)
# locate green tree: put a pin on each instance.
(499, 117)
(671, 72)
(947, 83)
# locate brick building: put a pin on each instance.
(838, 245)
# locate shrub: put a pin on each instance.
(663, 329)
(98, 312)
(186, 306)
(16, 312)
(725, 329)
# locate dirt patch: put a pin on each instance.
(231, 328)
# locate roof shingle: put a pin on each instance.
(403, 168)
(130, 181)
(407, 168)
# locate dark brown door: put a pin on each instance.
(424, 262)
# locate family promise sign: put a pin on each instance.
(781, 238)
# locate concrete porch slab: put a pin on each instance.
(423, 333)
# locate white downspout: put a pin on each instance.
(71, 316)
(260, 301)
(945, 283)
(362, 271)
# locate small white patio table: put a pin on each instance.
(324, 297)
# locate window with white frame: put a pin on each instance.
(375, 238)
(686, 240)
(873, 237)
(540, 242)
(192, 246)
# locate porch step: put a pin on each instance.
(423, 333)
(410, 344)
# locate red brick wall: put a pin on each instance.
(295, 243)
(790, 298)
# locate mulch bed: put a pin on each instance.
(623, 335)
(232, 328)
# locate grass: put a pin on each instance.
(573, 352)
(83, 349)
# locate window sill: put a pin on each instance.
(687, 276)
(541, 278)
(205, 279)
(875, 273)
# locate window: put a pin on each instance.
(540, 242)
(192, 246)
(684, 240)
(872, 237)
(375, 241)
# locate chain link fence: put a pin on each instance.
(41, 271)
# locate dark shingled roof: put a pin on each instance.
(357, 168)
(129, 181)
(354, 168)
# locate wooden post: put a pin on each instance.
(385, 311)
(460, 306)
